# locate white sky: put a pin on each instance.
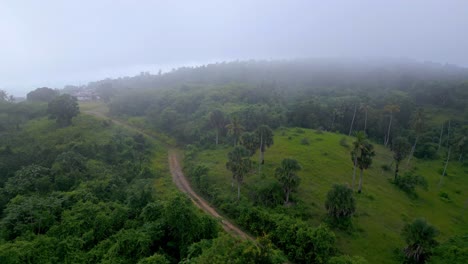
(53, 43)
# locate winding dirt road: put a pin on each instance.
(182, 183)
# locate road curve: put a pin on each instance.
(182, 183)
(184, 186)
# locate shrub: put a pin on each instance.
(408, 183)
(385, 167)
(344, 142)
(444, 197)
(426, 151)
(420, 239)
(340, 205)
(305, 141)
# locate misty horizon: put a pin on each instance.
(54, 43)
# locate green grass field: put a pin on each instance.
(382, 209)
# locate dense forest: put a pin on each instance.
(256, 138)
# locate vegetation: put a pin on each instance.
(420, 239)
(57, 179)
(340, 204)
(287, 176)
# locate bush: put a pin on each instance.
(426, 151)
(305, 141)
(444, 197)
(420, 239)
(408, 183)
(340, 205)
(344, 142)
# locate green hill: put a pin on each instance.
(382, 208)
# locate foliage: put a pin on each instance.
(401, 149)
(453, 251)
(63, 108)
(409, 181)
(239, 164)
(340, 204)
(43, 94)
(420, 239)
(287, 176)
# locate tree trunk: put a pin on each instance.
(333, 122)
(352, 121)
(445, 167)
(354, 171)
(217, 136)
(397, 165)
(412, 150)
(238, 190)
(388, 132)
(262, 150)
(365, 122)
(440, 137)
(360, 182)
(460, 158)
(448, 134)
(287, 196)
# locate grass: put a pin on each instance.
(382, 209)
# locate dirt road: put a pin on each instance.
(182, 183)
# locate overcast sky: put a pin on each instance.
(53, 43)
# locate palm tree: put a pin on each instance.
(391, 109)
(265, 139)
(401, 148)
(287, 176)
(358, 146)
(239, 164)
(420, 239)
(365, 108)
(365, 160)
(249, 141)
(217, 121)
(418, 126)
(352, 121)
(235, 129)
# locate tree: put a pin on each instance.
(249, 141)
(239, 164)
(358, 147)
(3, 95)
(217, 121)
(365, 160)
(340, 204)
(420, 239)
(418, 126)
(235, 129)
(391, 109)
(265, 139)
(43, 94)
(401, 148)
(63, 108)
(365, 108)
(287, 176)
(352, 121)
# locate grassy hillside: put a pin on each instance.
(382, 209)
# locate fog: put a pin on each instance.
(53, 43)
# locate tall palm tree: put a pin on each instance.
(400, 148)
(391, 109)
(239, 164)
(287, 176)
(365, 108)
(365, 160)
(265, 139)
(418, 126)
(420, 239)
(217, 121)
(358, 146)
(235, 129)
